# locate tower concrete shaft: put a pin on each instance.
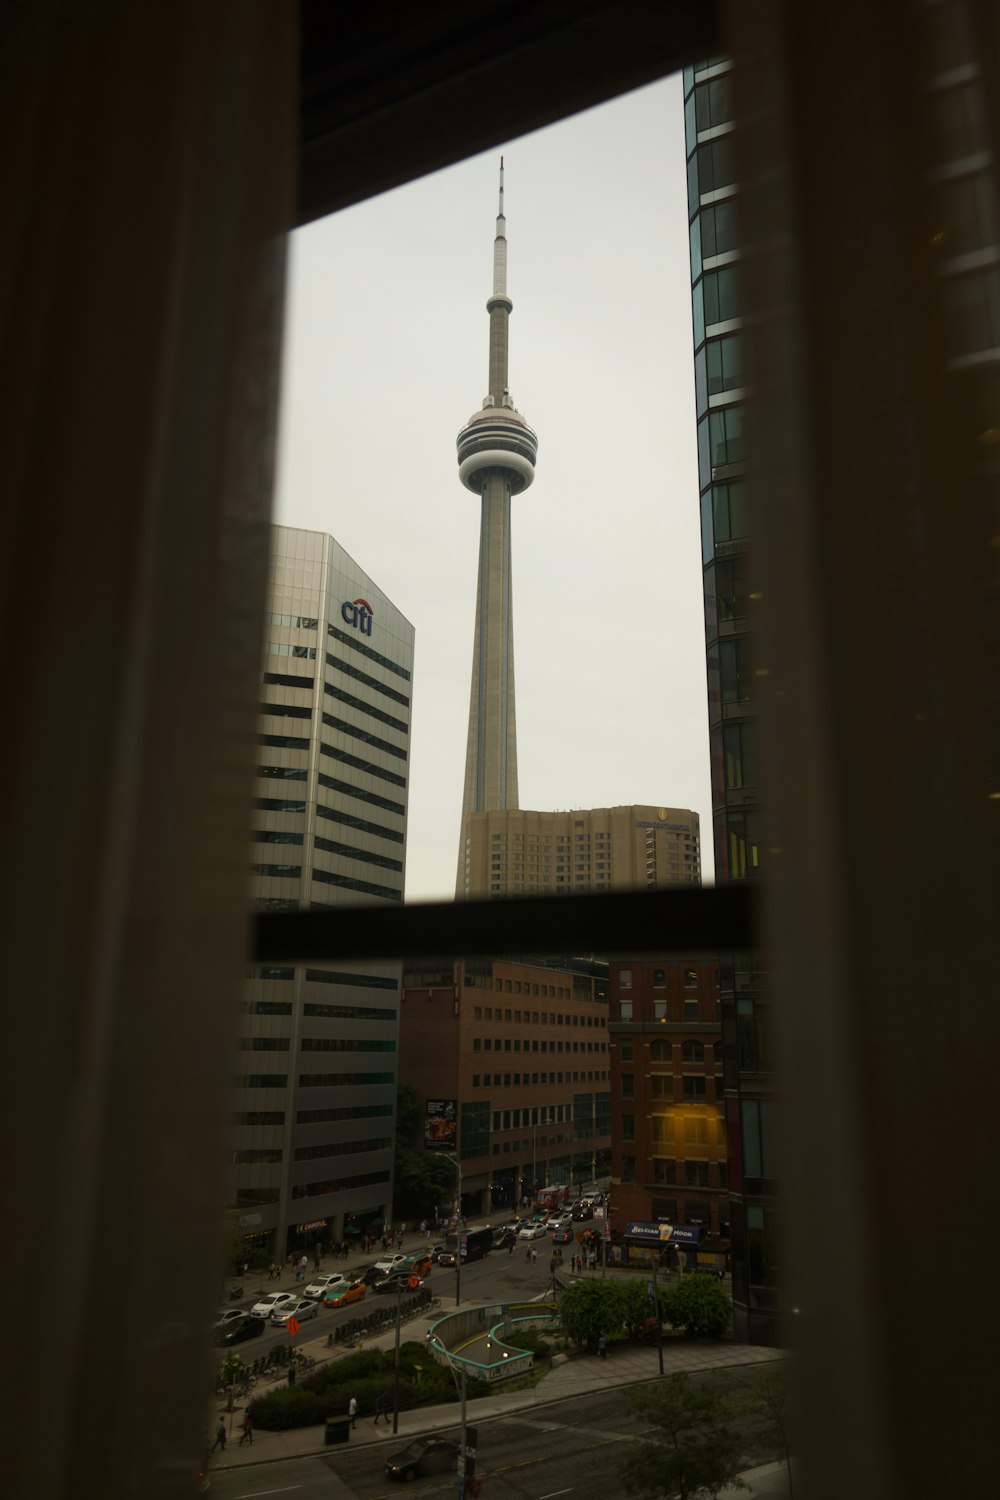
(496, 459)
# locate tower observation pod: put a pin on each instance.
(496, 459)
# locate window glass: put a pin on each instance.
(690, 127)
(735, 673)
(707, 532)
(725, 363)
(718, 228)
(731, 588)
(721, 295)
(700, 383)
(698, 312)
(731, 511)
(715, 166)
(693, 194)
(713, 102)
(696, 247)
(726, 436)
(704, 454)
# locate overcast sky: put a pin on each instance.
(386, 358)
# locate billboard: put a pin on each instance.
(441, 1125)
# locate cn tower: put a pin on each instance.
(496, 459)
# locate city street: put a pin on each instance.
(496, 1275)
(565, 1450)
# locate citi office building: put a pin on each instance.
(317, 1063)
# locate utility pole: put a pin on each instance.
(653, 1263)
(395, 1371)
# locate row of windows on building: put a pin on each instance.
(301, 683)
(665, 1050)
(331, 814)
(298, 742)
(664, 1171)
(313, 1080)
(325, 877)
(309, 622)
(270, 1156)
(346, 788)
(534, 1017)
(308, 653)
(250, 1197)
(325, 976)
(328, 846)
(317, 1044)
(548, 839)
(702, 1127)
(354, 731)
(519, 1080)
(517, 1044)
(312, 1116)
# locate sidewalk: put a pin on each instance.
(572, 1375)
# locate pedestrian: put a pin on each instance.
(381, 1409)
(510, 1247)
(534, 1255)
(247, 1431)
(220, 1437)
(352, 1411)
(527, 1253)
(602, 1347)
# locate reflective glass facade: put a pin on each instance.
(733, 681)
(315, 1117)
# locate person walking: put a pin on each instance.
(602, 1347)
(220, 1437)
(352, 1411)
(247, 1436)
(534, 1255)
(381, 1409)
(527, 1253)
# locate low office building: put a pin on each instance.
(668, 1130)
(521, 1046)
(514, 852)
(316, 1086)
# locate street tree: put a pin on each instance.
(765, 1394)
(698, 1455)
(699, 1305)
(422, 1179)
(589, 1308)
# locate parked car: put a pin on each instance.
(300, 1310)
(427, 1455)
(248, 1327)
(347, 1292)
(273, 1302)
(533, 1232)
(320, 1285)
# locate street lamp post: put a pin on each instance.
(458, 1227)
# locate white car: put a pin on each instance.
(300, 1309)
(273, 1302)
(389, 1263)
(533, 1232)
(559, 1220)
(320, 1285)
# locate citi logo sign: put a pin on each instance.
(359, 614)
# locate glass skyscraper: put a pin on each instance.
(720, 391)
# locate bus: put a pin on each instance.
(477, 1241)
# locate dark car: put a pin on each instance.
(583, 1211)
(436, 1252)
(563, 1237)
(396, 1281)
(507, 1237)
(238, 1333)
(368, 1274)
(429, 1455)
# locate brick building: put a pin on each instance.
(669, 1151)
(522, 1046)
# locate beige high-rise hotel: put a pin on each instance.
(514, 852)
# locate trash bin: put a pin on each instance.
(338, 1430)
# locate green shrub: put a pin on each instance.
(532, 1341)
(698, 1305)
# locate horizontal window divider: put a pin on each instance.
(676, 920)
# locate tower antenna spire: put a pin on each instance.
(496, 460)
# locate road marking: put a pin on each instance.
(283, 1491)
(552, 1493)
